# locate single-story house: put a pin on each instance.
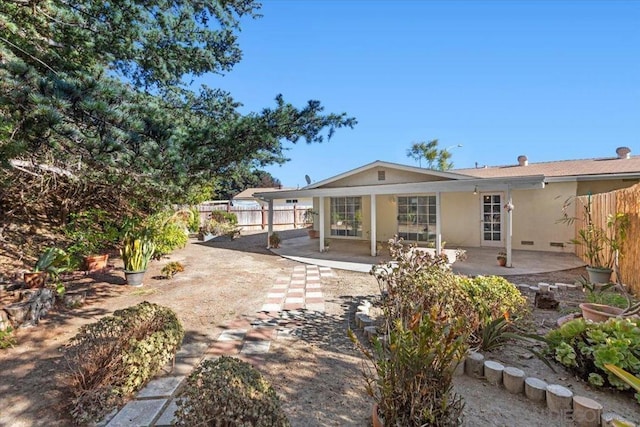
(247, 197)
(512, 207)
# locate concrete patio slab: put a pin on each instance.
(138, 413)
(160, 387)
(167, 417)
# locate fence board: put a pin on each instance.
(627, 201)
(252, 217)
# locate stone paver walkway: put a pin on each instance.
(291, 300)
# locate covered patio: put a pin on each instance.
(352, 255)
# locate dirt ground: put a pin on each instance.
(318, 374)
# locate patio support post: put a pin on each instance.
(438, 225)
(321, 222)
(270, 222)
(509, 209)
(373, 225)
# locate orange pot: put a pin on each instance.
(375, 417)
(36, 279)
(95, 262)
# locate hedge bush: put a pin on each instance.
(115, 357)
(228, 392)
(493, 296)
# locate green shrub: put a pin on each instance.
(614, 299)
(171, 269)
(427, 321)
(493, 296)
(222, 216)
(228, 392)
(113, 358)
(167, 230)
(585, 347)
(92, 231)
(193, 222)
(7, 339)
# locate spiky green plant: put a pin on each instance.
(136, 252)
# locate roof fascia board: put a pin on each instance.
(477, 184)
(598, 177)
(379, 163)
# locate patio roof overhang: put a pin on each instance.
(461, 185)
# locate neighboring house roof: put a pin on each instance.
(248, 193)
(379, 163)
(613, 167)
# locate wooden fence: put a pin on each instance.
(256, 218)
(627, 201)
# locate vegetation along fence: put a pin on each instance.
(625, 201)
(256, 218)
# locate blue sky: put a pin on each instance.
(548, 79)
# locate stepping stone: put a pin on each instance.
(276, 295)
(138, 413)
(167, 417)
(161, 387)
(233, 335)
(315, 307)
(271, 307)
(294, 300)
(314, 295)
(194, 349)
(256, 347)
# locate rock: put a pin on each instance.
(34, 305)
(17, 313)
(546, 301)
(74, 300)
(4, 321)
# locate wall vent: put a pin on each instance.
(381, 176)
(556, 244)
(527, 242)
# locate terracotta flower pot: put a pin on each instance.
(95, 262)
(375, 417)
(599, 312)
(36, 279)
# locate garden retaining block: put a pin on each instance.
(559, 398)
(586, 412)
(474, 365)
(535, 389)
(513, 380)
(493, 372)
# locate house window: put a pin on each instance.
(417, 218)
(346, 216)
(292, 200)
(381, 176)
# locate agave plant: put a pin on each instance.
(136, 252)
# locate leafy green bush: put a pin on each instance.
(92, 231)
(167, 230)
(585, 347)
(222, 216)
(493, 296)
(113, 358)
(427, 321)
(228, 392)
(193, 223)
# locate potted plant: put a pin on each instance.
(92, 233)
(274, 240)
(309, 219)
(502, 258)
(51, 263)
(136, 253)
(602, 245)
